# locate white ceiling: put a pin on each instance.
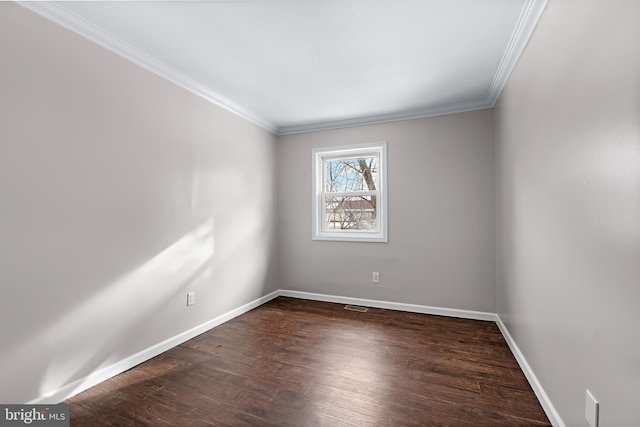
(298, 65)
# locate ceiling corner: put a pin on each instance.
(526, 24)
(383, 118)
(70, 21)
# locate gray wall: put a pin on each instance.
(568, 210)
(441, 249)
(119, 192)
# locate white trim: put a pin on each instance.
(71, 389)
(82, 384)
(96, 34)
(527, 22)
(531, 13)
(383, 118)
(412, 308)
(543, 398)
(318, 155)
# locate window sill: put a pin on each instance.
(352, 237)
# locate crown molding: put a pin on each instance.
(71, 21)
(383, 118)
(527, 22)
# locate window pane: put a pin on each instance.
(355, 174)
(350, 213)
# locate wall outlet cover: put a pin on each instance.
(592, 409)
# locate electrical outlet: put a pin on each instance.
(376, 277)
(191, 298)
(592, 409)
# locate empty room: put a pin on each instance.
(320, 213)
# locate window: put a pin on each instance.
(349, 193)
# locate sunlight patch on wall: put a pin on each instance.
(82, 337)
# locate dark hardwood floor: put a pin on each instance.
(293, 362)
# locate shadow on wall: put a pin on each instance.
(84, 338)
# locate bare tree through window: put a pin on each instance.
(350, 193)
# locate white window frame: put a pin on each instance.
(319, 155)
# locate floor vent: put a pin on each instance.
(356, 308)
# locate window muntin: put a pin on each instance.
(349, 193)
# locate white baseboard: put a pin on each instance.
(114, 369)
(544, 400)
(413, 308)
(82, 384)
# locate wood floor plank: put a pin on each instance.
(293, 362)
